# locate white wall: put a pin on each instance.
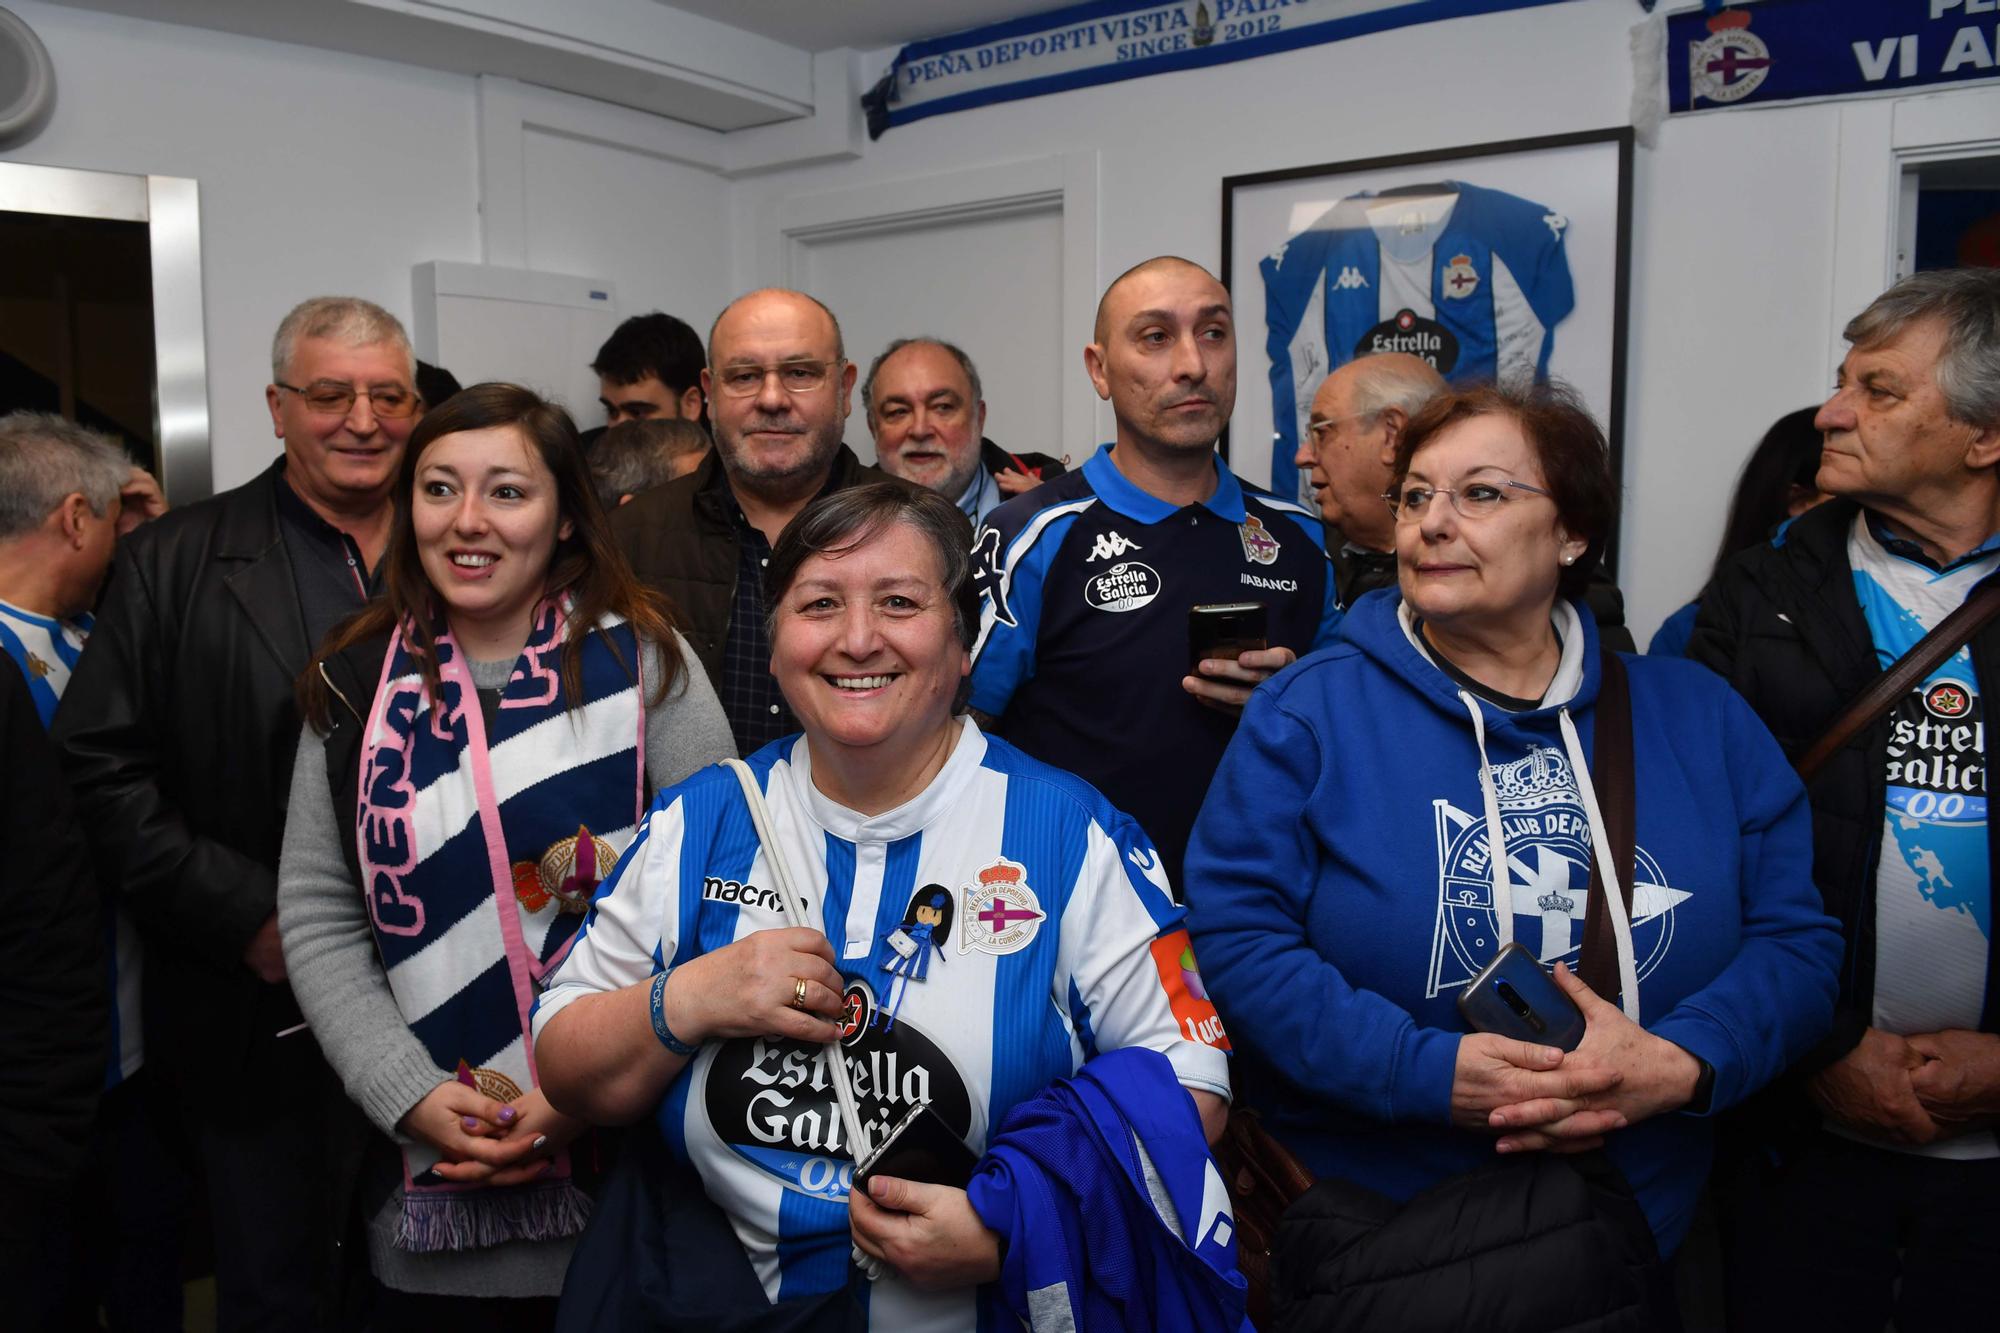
(328, 173)
(1733, 246)
(319, 173)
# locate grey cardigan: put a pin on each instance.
(343, 992)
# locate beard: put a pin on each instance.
(779, 471)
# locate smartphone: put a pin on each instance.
(1515, 996)
(1225, 630)
(923, 1148)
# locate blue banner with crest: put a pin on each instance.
(1791, 50)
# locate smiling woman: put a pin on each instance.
(980, 922)
(428, 793)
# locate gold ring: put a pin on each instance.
(799, 993)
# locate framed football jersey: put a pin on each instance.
(1504, 261)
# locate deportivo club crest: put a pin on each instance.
(1548, 858)
(1259, 546)
(1459, 278)
(1730, 63)
(1001, 913)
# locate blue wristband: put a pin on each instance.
(660, 1028)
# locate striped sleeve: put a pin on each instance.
(634, 917)
(1127, 963)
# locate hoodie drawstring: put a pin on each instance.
(1600, 846)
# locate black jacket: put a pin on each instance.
(53, 1044)
(1783, 625)
(1520, 1245)
(178, 731)
(681, 540)
(997, 460)
(1356, 571)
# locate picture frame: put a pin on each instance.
(1498, 260)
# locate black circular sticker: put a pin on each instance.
(1410, 332)
(772, 1100)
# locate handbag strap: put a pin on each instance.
(1931, 651)
(796, 914)
(1611, 774)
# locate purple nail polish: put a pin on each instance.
(507, 1114)
(470, 1122)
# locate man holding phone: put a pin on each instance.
(1089, 585)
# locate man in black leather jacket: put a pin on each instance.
(1881, 1198)
(178, 730)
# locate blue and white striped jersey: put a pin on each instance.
(1470, 279)
(46, 650)
(1059, 938)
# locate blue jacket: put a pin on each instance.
(1112, 1209)
(1340, 898)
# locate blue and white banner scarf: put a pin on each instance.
(479, 852)
(1103, 41)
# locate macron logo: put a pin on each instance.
(1350, 277)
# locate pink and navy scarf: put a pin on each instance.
(480, 848)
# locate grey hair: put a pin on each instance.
(844, 520)
(1967, 302)
(347, 320)
(957, 354)
(1383, 382)
(43, 458)
(635, 456)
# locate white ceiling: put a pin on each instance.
(865, 25)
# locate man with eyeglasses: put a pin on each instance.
(779, 387)
(1084, 651)
(1349, 451)
(178, 731)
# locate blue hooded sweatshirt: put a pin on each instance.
(1341, 896)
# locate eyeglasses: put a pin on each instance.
(334, 399)
(793, 377)
(1321, 427)
(1473, 500)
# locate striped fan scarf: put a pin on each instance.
(480, 849)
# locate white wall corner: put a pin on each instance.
(1086, 419)
(1864, 216)
(836, 131)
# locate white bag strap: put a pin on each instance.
(796, 914)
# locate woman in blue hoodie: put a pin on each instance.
(1343, 892)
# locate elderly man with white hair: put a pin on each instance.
(178, 730)
(1882, 1201)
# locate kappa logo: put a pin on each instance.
(1547, 877)
(1350, 278)
(1459, 278)
(989, 575)
(1110, 546)
(1555, 222)
(1002, 914)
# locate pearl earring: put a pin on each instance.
(1569, 560)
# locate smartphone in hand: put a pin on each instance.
(1225, 630)
(1515, 996)
(923, 1148)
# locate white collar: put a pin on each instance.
(937, 799)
